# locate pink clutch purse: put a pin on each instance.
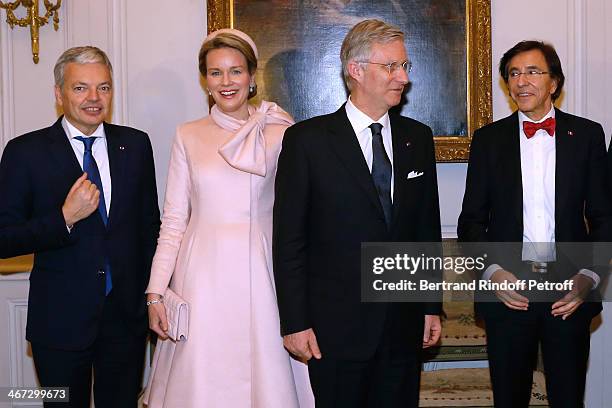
(177, 311)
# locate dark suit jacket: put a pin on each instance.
(325, 206)
(493, 201)
(19, 239)
(609, 157)
(66, 288)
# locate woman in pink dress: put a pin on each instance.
(214, 249)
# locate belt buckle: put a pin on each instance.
(539, 267)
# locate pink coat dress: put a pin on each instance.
(214, 250)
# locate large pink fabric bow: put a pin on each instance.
(246, 149)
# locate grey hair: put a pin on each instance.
(358, 42)
(79, 55)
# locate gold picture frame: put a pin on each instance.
(478, 96)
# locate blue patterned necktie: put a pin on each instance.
(93, 174)
(381, 171)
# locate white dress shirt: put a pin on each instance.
(360, 123)
(538, 159)
(538, 166)
(99, 151)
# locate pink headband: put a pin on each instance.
(237, 33)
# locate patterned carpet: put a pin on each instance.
(469, 387)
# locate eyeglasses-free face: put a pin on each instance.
(228, 80)
(86, 96)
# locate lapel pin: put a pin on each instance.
(569, 132)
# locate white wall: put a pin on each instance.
(581, 31)
(578, 30)
(153, 45)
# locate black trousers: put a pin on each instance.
(383, 381)
(512, 340)
(117, 360)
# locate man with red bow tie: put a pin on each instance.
(536, 176)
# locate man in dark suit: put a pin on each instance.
(45, 233)
(86, 304)
(360, 174)
(535, 177)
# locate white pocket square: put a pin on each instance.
(414, 174)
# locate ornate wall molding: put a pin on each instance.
(478, 52)
(220, 14)
(117, 40)
(68, 15)
(479, 98)
(577, 88)
(17, 309)
(10, 69)
(7, 91)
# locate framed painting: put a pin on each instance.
(448, 42)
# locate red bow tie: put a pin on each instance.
(531, 128)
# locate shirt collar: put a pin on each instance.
(72, 131)
(360, 121)
(523, 117)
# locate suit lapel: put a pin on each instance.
(510, 146)
(345, 145)
(116, 162)
(563, 156)
(61, 151)
(402, 155)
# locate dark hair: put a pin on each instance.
(550, 55)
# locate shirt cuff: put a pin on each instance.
(490, 271)
(589, 273)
